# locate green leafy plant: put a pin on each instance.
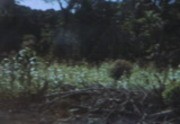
(27, 72)
(171, 96)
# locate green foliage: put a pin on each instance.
(171, 96)
(170, 90)
(100, 29)
(28, 73)
(19, 73)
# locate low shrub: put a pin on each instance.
(171, 96)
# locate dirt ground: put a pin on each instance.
(36, 118)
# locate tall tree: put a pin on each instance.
(6, 6)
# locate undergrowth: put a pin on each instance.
(26, 72)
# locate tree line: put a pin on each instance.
(147, 30)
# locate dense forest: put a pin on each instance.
(96, 30)
(90, 62)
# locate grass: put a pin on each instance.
(27, 72)
(20, 75)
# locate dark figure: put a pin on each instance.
(121, 67)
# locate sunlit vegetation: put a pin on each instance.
(19, 74)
